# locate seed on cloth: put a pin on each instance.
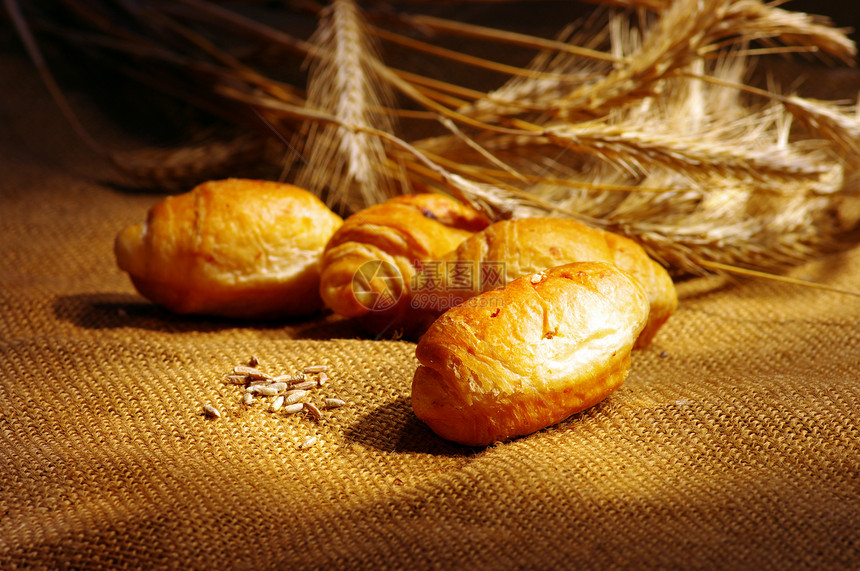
(309, 442)
(252, 372)
(294, 408)
(211, 411)
(313, 411)
(276, 404)
(334, 403)
(267, 391)
(304, 386)
(315, 369)
(295, 396)
(248, 399)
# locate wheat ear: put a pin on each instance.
(343, 83)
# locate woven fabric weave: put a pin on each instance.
(734, 443)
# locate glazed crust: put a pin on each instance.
(512, 361)
(381, 245)
(529, 245)
(235, 248)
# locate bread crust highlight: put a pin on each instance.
(529, 245)
(515, 360)
(234, 248)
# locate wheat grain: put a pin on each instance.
(289, 379)
(251, 372)
(312, 410)
(267, 391)
(315, 369)
(305, 385)
(211, 411)
(308, 442)
(293, 408)
(294, 396)
(277, 404)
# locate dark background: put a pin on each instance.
(844, 13)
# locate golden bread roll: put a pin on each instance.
(528, 245)
(369, 263)
(234, 248)
(515, 360)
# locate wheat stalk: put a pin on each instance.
(641, 150)
(675, 41)
(753, 19)
(343, 82)
(639, 120)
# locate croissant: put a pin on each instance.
(512, 361)
(235, 248)
(527, 245)
(369, 263)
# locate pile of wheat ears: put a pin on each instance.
(639, 118)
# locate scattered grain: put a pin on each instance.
(315, 369)
(304, 386)
(295, 396)
(308, 442)
(334, 403)
(251, 372)
(211, 411)
(312, 410)
(276, 404)
(293, 408)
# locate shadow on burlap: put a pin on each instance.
(733, 444)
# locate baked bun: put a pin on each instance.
(234, 248)
(528, 245)
(515, 360)
(369, 263)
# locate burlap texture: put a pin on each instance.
(733, 444)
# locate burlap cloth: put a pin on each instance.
(733, 444)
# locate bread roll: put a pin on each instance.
(235, 248)
(512, 361)
(528, 245)
(368, 264)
